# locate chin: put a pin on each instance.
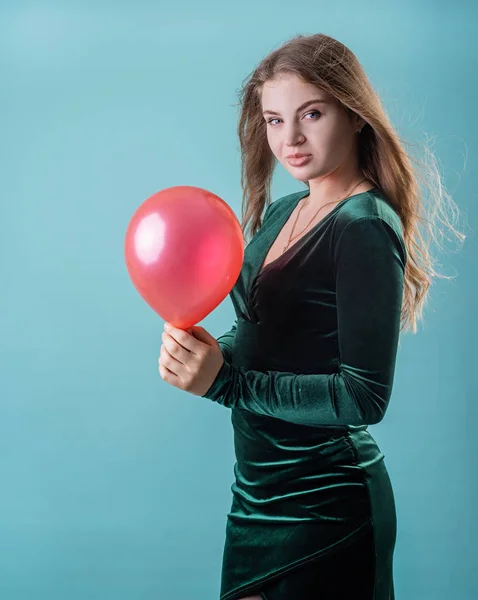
(302, 173)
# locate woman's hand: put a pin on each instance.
(189, 362)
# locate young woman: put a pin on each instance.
(328, 279)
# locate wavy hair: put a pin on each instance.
(329, 65)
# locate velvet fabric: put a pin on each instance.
(308, 366)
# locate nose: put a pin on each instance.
(293, 136)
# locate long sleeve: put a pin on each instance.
(369, 259)
(225, 342)
(226, 339)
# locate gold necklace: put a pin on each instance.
(300, 209)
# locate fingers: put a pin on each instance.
(175, 349)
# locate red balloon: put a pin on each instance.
(184, 249)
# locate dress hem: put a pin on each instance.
(237, 593)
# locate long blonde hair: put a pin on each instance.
(325, 62)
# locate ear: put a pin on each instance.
(359, 122)
(356, 120)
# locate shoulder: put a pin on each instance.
(369, 215)
(373, 204)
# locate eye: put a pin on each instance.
(313, 111)
(309, 113)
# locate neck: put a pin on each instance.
(335, 186)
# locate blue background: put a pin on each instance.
(114, 484)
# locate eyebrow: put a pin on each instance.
(272, 112)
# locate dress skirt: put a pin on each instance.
(327, 560)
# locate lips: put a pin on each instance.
(298, 162)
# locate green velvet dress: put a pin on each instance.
(309, 364)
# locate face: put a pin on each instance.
(322, 129)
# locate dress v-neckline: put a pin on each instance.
(282, 223)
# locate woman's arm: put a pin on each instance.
(226, 339)
(225, 342)
(369, 271)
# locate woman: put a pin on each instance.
(327, 281)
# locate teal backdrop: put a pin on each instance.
(114, 484)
